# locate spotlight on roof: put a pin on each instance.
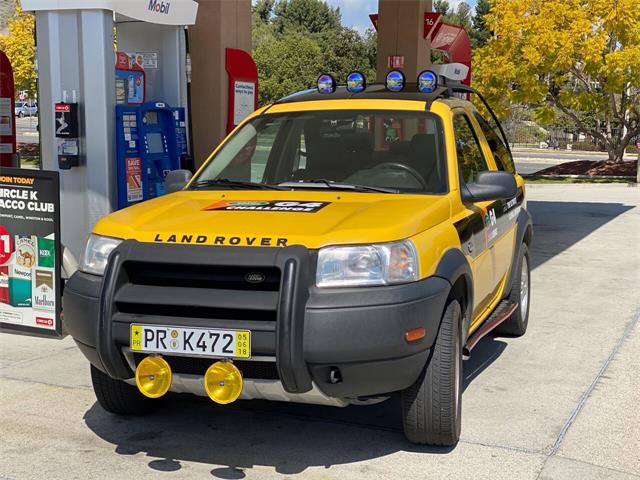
(356, 82)
(427, 81)
(326, 83)
(395, 81)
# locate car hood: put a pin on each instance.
(276, 218)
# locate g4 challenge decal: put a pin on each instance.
(480, 229)
(268, 206)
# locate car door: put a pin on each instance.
(506, 211)
(479, 224)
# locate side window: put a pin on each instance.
(498, 148)
(470, 158)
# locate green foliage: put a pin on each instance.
(281, 71)
(294, 41)
(263, 9)
(311, 16)
(480, 33)
(441, 6)
(462, 16)
(19, 46)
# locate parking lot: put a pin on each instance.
(560, 402)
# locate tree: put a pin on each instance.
(346, 51)
(441, 6)
(19, 46)
(308, 16)
(286, 65)
(461, 17)
(263, 9)
(479, 33)
(578, 57)
(294, 41)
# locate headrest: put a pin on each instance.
(357, 142)
(425, 142)
(401, 147)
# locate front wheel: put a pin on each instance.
(118, 397)
(432, 406)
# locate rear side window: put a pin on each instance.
(500, 152)
(470, 158)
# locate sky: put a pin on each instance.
(355, 13)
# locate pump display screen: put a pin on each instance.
(155, 143)
(151, 118)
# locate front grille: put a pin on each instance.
(192, 292)
(198, 366)
(201, 276)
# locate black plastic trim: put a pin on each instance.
(454, 265)
(524, 223)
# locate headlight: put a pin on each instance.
(362, 265)
(96, 254)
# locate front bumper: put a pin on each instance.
(310, 332)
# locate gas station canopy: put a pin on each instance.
(172, 12)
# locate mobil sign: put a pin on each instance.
(163, 12)
(159, 7)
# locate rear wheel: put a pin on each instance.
(432, 406)
(516, 324)
(118, 397)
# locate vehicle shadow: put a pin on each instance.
(559, 225)
(288, 437)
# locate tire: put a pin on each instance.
(20, 114)
(432, 406)
(516, 324)
(118, 397)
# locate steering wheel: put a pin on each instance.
(401, 166)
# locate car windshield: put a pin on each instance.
(393, 151)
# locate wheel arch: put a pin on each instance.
(455, 268)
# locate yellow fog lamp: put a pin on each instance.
(223, 382)
(153, 377)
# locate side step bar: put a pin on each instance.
(499, 315)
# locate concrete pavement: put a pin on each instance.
(559, 403)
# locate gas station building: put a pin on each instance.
(183, 78)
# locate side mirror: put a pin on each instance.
(176, 180)
(490, 185)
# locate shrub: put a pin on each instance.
(585, 147)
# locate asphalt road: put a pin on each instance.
(559, 403)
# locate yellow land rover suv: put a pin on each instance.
(341, 245)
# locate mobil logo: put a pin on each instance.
(159, 6)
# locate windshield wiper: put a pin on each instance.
(323, 183)
(225, 182)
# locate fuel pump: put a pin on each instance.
(151, 140)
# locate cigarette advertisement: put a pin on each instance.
(30, 279)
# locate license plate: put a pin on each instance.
(205, 342)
